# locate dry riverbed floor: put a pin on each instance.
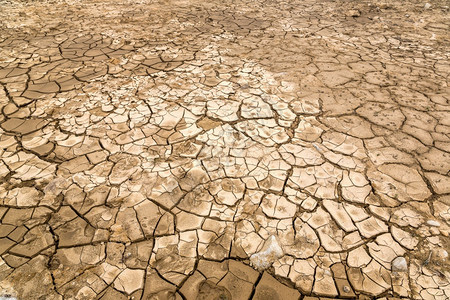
(228, 149)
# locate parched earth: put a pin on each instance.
(224, 149)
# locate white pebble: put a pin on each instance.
(399, 264)
(433, 223)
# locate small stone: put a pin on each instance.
(7, 297)
(433, 223)
(427, 6)
(442, 254)
(354, 13)
(399, 264)
(346, 289)
(267, 256)
(107, 216)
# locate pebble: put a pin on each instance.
(427, 6)
(107, 216)
(399, 264)
(442, 254)
(433, 223)
(270, 252)
(354, 13)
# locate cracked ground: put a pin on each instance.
(231, 149)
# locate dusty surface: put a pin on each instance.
(224, 149)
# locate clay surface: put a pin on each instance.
(232, 149)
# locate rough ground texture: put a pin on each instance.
(224, 149)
